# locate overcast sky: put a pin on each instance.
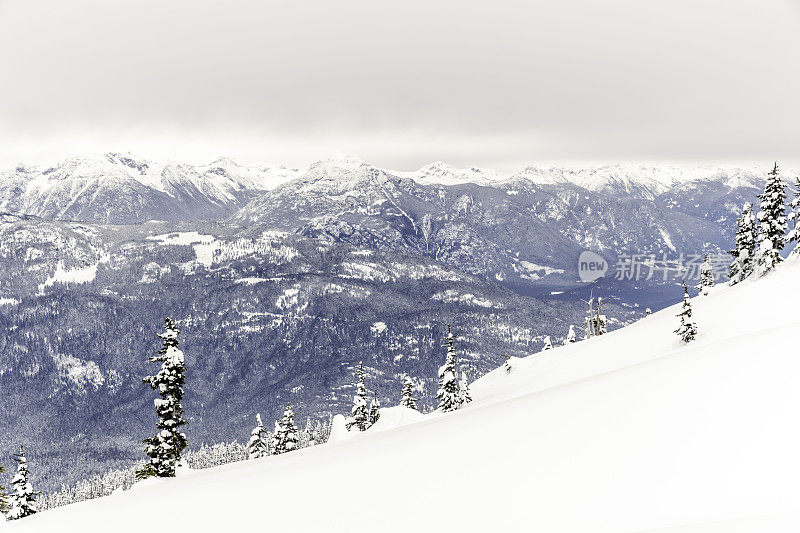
(498, 84)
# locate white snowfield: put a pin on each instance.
(630, 432)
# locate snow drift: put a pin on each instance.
(629, 432)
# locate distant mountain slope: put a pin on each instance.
(631, 432)
(120, 189)
(529, 227)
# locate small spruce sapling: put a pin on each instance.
(22, 501)
(258, 445)
(374, 410)
(548, 344)
(464, 396)
(706, 276)
(408, 399)
(571, 337)
(743, 262)
(285, 438)
(447, 394)
(359, 418)
(687, 330)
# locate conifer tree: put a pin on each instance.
(308, 433)
(794, 216)
(447, 394)
(464, 396)
(359, 414)
(22, 501)
(285, 438)
(745, 241)
(571, 337)
(258, 445)
(772, 223)
(687, 330)
(374, 410)
(408, 399)
(273, 441)
(706, 276)
(164, 449)
(316, 434)
(548, 344)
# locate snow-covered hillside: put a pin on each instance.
(630, 432)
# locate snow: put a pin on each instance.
(628, 432)
(533, 271)
(252, 280)
(288, 299)
(82, 374)
(181, 238)
(667, 240)
(74, 275)
(377, 328)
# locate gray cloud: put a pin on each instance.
(498, 83)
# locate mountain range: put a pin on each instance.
(519, 228)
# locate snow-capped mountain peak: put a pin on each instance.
(123, 188)
(440, 173)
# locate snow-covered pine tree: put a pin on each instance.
(22, 502)
(744, 252)
(706, 276)
(548, 344)
(408, 399)
(285, 438)
(687, 331)
(273, 441)
(464, 396)
(374, 410)
(258, 445)
(571, 337)
(308, 434)
(314, 434)
(164, 449)
(447, 394)
(771, 223)
(359, 414)
(794, 216)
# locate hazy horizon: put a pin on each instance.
(487, 84)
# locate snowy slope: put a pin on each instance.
(631, 432)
